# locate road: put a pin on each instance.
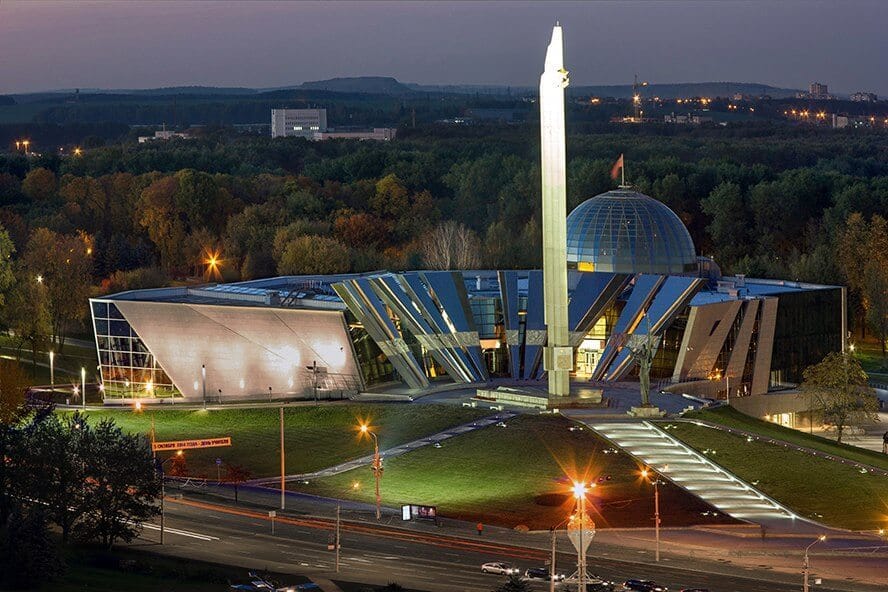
(375, 554)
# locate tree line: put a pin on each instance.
(765, 202)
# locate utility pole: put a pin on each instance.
(283, 469)
(552, 567)
(336, 537)
(657, 518)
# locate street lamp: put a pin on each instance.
(376, 466)
(805, 567)
(580, 530)
(52, 370)
(179, 453)
(83, 387)
(645, 473)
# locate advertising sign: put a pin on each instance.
(191, 444)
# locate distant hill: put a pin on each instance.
(377, 85)
(621, 91)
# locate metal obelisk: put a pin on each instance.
(558, 359)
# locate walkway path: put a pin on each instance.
(694, 472)
(392, 452)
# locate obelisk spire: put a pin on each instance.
(558, 359)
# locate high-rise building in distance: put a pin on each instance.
(298, 122)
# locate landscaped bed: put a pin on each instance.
(521, 475)
(315, 437)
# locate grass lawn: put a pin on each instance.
(517, 475)
(826, 491)
(143, 571)
(67, 364)
(316, 437)
(732, 418)
(870, 355)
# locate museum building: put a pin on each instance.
(633, 271)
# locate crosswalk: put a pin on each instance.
(694, 472)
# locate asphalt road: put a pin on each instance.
(415, 559)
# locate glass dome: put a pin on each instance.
(624, 231)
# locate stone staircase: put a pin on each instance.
(694, 472)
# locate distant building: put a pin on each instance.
(689, 119)
(164, 134)
(377, 133)
(864, 97)
(818, 90)
(298, 122)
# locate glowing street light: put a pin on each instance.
(376, 466)
(179, 454)
(655, 481)
(819, 539)
(52, 369)
(39, 278)
(83, 387)
(580, 530)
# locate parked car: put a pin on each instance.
(541, 573)
(498, 567)
(643, 586)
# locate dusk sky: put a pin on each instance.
(50, 45)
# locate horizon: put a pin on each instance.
(62, 45)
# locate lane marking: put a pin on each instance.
(184, 533)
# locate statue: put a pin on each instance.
(642, 349)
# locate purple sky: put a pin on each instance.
(50, 45)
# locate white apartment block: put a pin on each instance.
(298, 122)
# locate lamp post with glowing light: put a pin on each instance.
(580, 530)
(83, 387)
(655, 481)
(819, 539)
(52, 370)
(179, 453)
(376, 466)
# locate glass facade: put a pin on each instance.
(628, 232)
(128, 369)
(809, 326)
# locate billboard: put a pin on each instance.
(191, 444)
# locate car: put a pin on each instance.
(643, 586)
(498, 567)
(541, 573)
(695, 590)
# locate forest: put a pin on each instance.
(805, 204)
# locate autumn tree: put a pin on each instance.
(160, 216)
(13, 386)
(838, 389)
(314, 255)
(28, 312)
(451, 245)
(7, 276)
(63, 264)
(40, 185)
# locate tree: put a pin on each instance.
(7, 278)
(729, 221)
(838, 389)
(452, 246)
(13, 386)
(40, 185)
(314, 255)
(122, 485)
(28, 554)
(63, 263)
(161, 217)
(28, 314)
(58, 456)
(875, 292)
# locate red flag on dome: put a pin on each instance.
(615, 170)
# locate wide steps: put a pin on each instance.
(692, 471)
